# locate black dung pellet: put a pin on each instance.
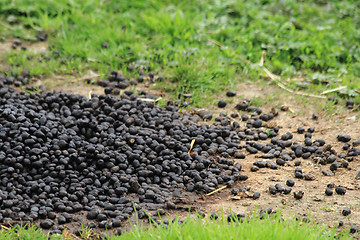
(222, 104)
(256, 195)
(340, 190)
(346, 211)
(290, 182)
(329, 192)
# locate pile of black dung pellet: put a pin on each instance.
(61, 154)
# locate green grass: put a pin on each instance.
(317, 40)
(26, 232)
(273, 227)
(255, 228)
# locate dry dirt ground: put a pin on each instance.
(315, 204)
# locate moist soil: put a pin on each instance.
(315, 204)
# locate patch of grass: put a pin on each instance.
(328, 208)
(273, 227)
(26, 232)
(254, 228)
(316, 40)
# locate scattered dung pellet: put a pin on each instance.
(299, 175)
(300, 130)
(315, 116)
(354, 229)
(346, 211)
(355, 143)
(290, 182)
(256, 195)
(280, 162)
(306, 219)
(349, 104)
(46, 224)
(329, 192)
(254, 168)
(257, 123)
(244, 117)
(341, 223)
(234, 115)
(343, 138)
(297, 163)
(287, 190)
(222, 104)
(201, 214)
(331, 185)
(214, 216)
(279, 188)
(242, 106)
(311, 129)
(272, 190)
(334, 100)
(230, 93)
(340, 190)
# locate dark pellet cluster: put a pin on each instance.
(61, 154)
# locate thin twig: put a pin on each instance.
(261, 63)
(191, 146)
(299, 93)
(150, 100)
(334, 90)
(215, 191)
(4, 227)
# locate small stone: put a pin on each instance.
(309, 177)
(327, 173)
